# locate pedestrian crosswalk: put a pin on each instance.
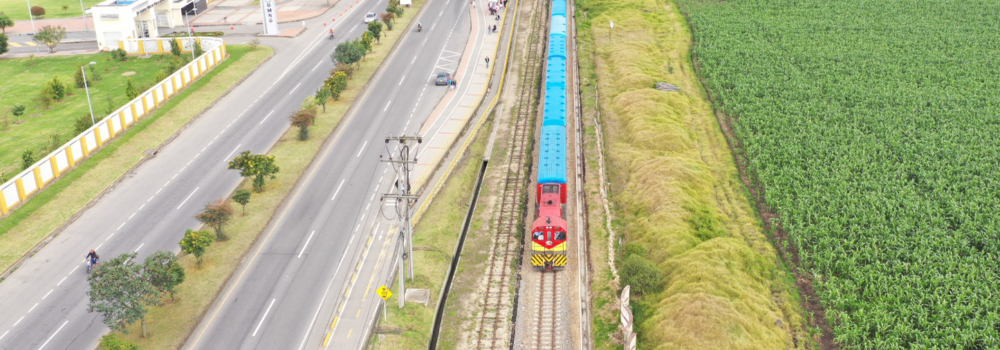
(24, 44)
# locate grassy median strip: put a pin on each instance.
(170, 324)
(53, 206)
(675, 194)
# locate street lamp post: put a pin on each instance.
(86, 27)
(34, 32)
(87, 86)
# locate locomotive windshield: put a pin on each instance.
(550, 188)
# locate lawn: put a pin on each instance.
(18, 10)
(38, 129)
(675, 194)
(871, 131)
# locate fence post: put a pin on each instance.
(55, 167)
(38, 177)
(20, 189)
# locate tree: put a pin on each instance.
(195, 243)
(119, 55)
(37, 11)
(365, 43)
(3, 44)
(197, 49)
(256, 166)
(113, 342)
(387, 19)
(17, 110)
(27, 159)
(51, 36)
(5, 22)
(336, 84)
(242, 196)
(347, 53)
(376, 28)
(163, 271)
(175, 47)
(130, 90)
(322, 95)
(119, 291)
(55, 89)
(216, 214)
(303, 118)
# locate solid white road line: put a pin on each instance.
(293, 89)
(186, 199)
(231, 153)
(265, 118)
(262, 318)
(338, 189)
(362, 149)
(53, 335)
(307, 243)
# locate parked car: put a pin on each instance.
(370, 17)
(442, 79)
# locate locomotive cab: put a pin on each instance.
(548, 241)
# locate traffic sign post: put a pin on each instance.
(385, 293)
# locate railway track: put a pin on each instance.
(548, 330)
(493, 331)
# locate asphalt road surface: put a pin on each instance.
(277, 291)
(307, 262)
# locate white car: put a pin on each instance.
(370, 17)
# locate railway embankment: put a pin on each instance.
(677, 204)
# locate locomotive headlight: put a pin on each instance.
(548, 242)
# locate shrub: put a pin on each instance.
(197, 50)
(27, 159)
(175, 47)
(95, 75)
(119, 55)
(254, 43)
(641, 274)
(242, 197)
(56, 89)
(346, 68)
(113, 342)
(83, 123)
(131, 91)
(17, 110)
(78, 78)
(634, 249)
(37, 11)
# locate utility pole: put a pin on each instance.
(402, 196)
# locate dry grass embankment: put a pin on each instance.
(675, 190)
(171, 324)
(49, 209)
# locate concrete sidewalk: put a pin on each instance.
(456, 109)
(246, 12)
(79, 24)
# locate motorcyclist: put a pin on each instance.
(331, 33)
(92, 258)
(419, 27)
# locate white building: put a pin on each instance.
(132, 19)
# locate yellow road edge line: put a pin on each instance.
(335, 318)
(326, 341)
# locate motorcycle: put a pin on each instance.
(91, 263)
(419, 28)
(331, 36)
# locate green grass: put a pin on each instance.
(24, 227)
(675, 189)
(37, 125)
(18, 10)
(873, 129)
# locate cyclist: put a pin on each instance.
(92, 259)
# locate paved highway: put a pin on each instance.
(293, 281)
(44, 301)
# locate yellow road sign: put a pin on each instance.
(384, 292)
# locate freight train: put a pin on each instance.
(549, 230)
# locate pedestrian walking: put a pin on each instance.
(487, 63)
